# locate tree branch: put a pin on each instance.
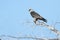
(49, 27)
(34, 38)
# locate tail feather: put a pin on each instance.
(44, 20)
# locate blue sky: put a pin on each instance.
(14, 15)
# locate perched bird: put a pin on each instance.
(36, 16)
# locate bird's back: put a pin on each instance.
(34, 14)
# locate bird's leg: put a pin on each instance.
(35, 20)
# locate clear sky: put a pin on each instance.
(14, 15)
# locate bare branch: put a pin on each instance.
(34, 38)
(49, 27)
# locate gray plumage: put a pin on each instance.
(36, 16)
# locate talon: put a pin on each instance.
(35, 22)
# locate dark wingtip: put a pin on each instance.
(44, 20)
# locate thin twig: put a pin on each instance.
(35, 38)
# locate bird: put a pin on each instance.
(36, 16)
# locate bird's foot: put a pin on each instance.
(35, 22)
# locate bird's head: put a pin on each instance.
(30, 10)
